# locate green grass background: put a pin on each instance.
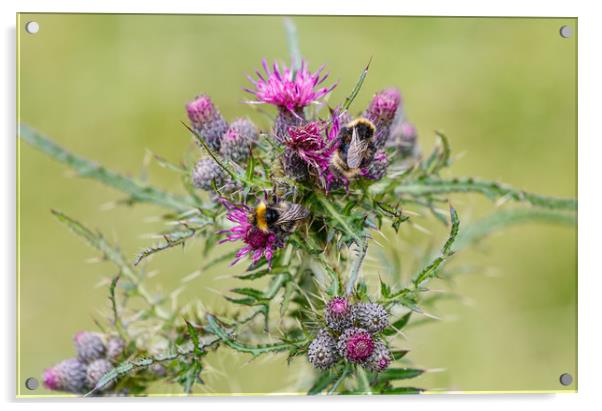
(112, 87)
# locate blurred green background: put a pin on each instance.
(111, 87)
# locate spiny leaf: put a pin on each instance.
(492, 190)
(397, 325)
(171, 240)
(116, 318)
(85, 168)
(439, 158)
(431, 270)
(399, 354)
(504, 218)
(391, 374)
(357, 87)
(250, 292)
(194, 336)
(214, 328)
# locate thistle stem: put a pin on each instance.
(355, 268)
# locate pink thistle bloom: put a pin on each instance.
(384, 105)
(309, 143)
(258, 243)
(284, 89)
(355, 344)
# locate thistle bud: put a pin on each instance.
(206, 119)
(115, 347)
(380, 358)
(322, 352)
(370, 316)
(285, 120)
(403, 138)
(68, 375)
(236, 142)
(205, 172)
(338, 314)
(355, 344)
(381, 111)
(89, 346)
(95, 371)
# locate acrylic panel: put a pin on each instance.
(254, 205)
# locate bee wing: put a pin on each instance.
(356, 151)
(294, 212)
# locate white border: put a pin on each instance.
(590, 150)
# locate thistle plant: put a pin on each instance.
(302, 200)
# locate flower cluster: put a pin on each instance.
(232, 141)
(317, 152)
(351, 333)
(97, 355)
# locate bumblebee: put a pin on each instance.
(281, 216)
(355, 148)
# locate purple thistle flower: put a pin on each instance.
(68, 375)
(206, 119)
(288, 90)
(355, 344)
(380, 358)
(307, 144)
(338, 314)
(381, 111)
(258, 243)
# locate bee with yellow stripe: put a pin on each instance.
(280, 216)
(355, 149)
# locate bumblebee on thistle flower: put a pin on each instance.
(323, 154)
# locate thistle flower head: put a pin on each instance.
(68, 375)
(206, 119)
(380, 358)
(89, 346)
(310, 146)
(370, 316)
(338, 314)
(322, 352)
(96, 370)
(258, 243)
(287, 89)
(236, 142)
(355, 344)
(381, 111)
(383, 105)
